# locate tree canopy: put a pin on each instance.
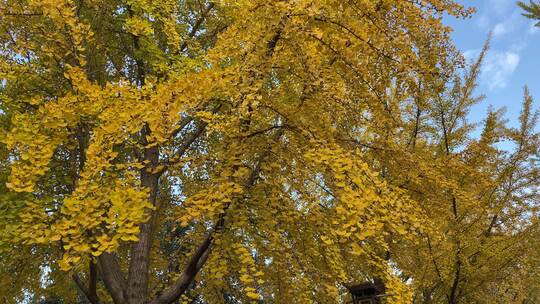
(532, 10)
(184, 151)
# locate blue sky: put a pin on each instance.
(513, 60)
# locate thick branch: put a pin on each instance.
(452, 299)
(195, 263)
(112, 277)
(92, 283)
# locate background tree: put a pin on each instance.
(483, 195)
(532, 10)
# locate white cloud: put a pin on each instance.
(499, 29)
(498, 68)
(512, 34)
(512, 23)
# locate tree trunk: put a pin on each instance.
(137, 285)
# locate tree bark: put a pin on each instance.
(113, 277)
(137, 285)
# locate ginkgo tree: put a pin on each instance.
(483, 194)
(223, 151)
